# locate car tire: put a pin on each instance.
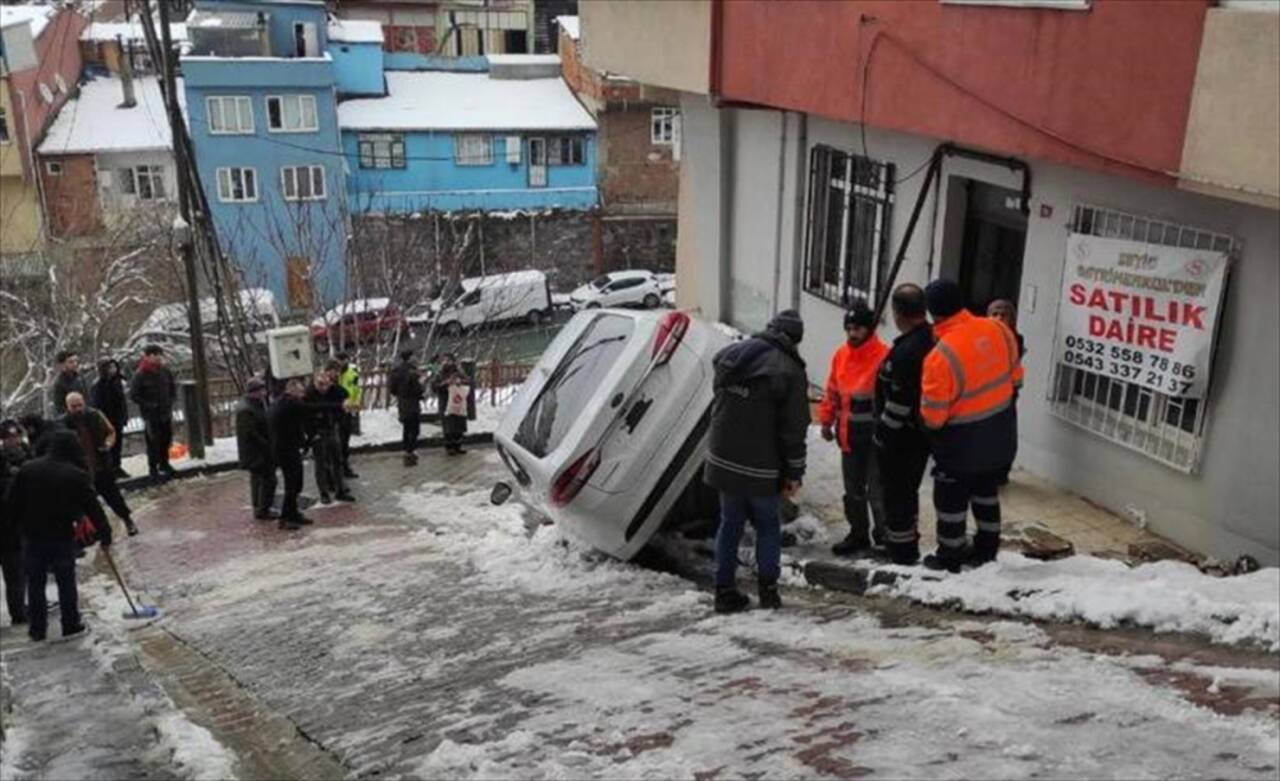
(453, 328)
(534, 317)
(652, 301)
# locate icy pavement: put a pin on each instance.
(424, 633)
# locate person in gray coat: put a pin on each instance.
(759, 427)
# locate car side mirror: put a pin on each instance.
(500, 494)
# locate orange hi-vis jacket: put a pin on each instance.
(851, 391)
(967, 393)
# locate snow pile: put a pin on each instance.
(193, 748)
(1166, 596)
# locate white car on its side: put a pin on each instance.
(619, 288)
(611, 426)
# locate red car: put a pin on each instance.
(362, 320)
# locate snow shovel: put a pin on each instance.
(137, 613)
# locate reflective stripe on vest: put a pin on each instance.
(982, 358)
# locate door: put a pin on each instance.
(298, 282)
(305, 42)
(537, 162)
(995, 235)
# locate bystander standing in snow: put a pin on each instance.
(405, 383)
(452, 388)
(13, 454)
(759, 425)
(288, 421)
(325, 404)
(97, 436)
(67, 381)
(253, 448)
(347, 377)
(154, 390)
(109, 397)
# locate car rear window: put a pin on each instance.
(573, 382)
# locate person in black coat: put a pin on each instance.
(108, 396)
(154, 390)
(325, 404)
(48, 496)
(405, 384)
(13, 454)
(68, 380)
(253, 446)
(288, 423)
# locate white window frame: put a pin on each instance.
(225, 176)
(662, 125)
(1053, 5)
(470, 157)
(242, 106)
(302, 100)
(290, 180)
(557, 146)
(1133, 416)
(53, 167)
(152, 173)
(370, 149)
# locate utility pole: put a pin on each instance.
(201, 429)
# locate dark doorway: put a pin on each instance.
(516, 41)
(995, 235)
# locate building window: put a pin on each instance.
(53, 168)
(381, 150)
(229, 114)
(292, 114)
(472, 149)
(144, 182)
(4, 126)
(237, 185)
(847, 243)
(565, 150)
(302, 182)
(1168, 429)
(662, 125)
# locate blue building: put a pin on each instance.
(261, 93)
(513, 137)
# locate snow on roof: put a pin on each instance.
(511, 278)
(438, 100)
(570, 25)
(238, 20)
(38, 16)
(523, 59)
(93, 121)
(355, 31)
(352, 308)
(130, 31)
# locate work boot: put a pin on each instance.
(982, 554)
(326, 499)
(940, 561)
(288, 526)
(731, 600)
(853, 544)
(906, 555)
(78, 629)
(167, 470)
(131, 527)
(267, 515)
(350, 473)
(302, 520)
(410, 459)
(36, 637)
(121, 474)
(769, 597)
(346, 496)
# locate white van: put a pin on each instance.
(520, 295)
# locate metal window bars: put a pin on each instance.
(1169, 429)
(847, 231)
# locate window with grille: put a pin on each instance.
(292, 114)
(302, 182)
(850, 207)
(1169, 429)
(381, 150)
(237, 185)
(472, 149)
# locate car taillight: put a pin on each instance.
(571, 480)
(670, 331)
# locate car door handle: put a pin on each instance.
(636, 414)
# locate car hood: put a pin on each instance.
(584, 291)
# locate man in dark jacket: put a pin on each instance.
(153, 389)
(902, 447)
(759, 424)
(253, 447)
(13, 454)
(96, 436)
(288, 423)
(67, 381)
(405, 384)
(108, 396)
(49, 495)
(325, 401)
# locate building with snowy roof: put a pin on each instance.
(512, 138)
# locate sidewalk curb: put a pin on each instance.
(144, 482)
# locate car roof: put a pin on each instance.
(512, 278)
(356, 306)
(631, 274)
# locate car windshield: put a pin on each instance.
(599, 282)
(563, 399)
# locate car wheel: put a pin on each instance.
(534, 317)
(453, 328)
(652, 301)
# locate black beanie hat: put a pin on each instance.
(860, 315)
(943, 297)
(788, 322)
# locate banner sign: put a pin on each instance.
(1140, 313)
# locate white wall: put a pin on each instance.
(112, 199)
(1231, 506)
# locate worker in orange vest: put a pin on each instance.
(966, 401)
(848, 417)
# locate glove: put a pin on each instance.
(828, 433)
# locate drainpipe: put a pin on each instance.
(797, 238)
(777, 225)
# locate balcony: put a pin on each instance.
(229, 34)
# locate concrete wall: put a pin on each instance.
(357, 68)
(431, 181)
(1231, 147)
(1230, 507)
(661, 42)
